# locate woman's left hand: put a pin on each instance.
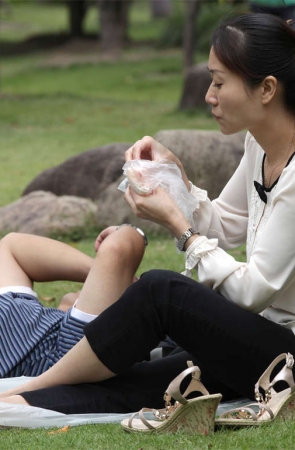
(158, 207)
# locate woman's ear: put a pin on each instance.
(268, 89)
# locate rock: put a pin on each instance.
(84, 175)
(46, 214)
(209, 158)
(196, 83)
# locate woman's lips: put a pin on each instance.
(215, 116)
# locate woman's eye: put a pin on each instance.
(217, 85)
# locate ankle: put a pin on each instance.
(16, 399)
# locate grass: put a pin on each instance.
(53, 107)
(49, 114)
(276, 436)
(51, 110)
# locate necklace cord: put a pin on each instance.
(267, 183)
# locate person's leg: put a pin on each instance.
(143, 385)
(113, 270)
(233, 344)
(26, 258)
(111, 273)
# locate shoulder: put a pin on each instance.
(251, 143)
(253, 151)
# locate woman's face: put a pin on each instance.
(234, 107)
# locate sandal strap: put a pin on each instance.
(249, 410)
(286, 374)
(142, 418)
(173, 390)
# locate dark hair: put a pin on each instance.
(255, 46)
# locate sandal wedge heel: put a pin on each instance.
(191, 416)
(272, 405)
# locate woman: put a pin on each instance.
(241, 315)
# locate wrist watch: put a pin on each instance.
(137, 229)
(182, 240)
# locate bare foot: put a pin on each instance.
(68, 301)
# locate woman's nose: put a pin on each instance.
(210, 98)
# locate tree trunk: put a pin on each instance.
(160, 8)
(114, 23)
(77, 11)
(192, 8)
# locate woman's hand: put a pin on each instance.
(158, 207)
(103, 235)
(148, 148)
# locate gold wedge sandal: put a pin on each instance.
(273, 405)
(194, 416)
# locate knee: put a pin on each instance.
(158, 275)
(9, 240)
(124, 244)
(157, 279)
(168, 285)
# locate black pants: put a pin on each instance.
(231, 346)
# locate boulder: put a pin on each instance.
(46, 214)
(196, 83)
(209, 158)
(84, 175)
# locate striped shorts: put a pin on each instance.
(32, 337)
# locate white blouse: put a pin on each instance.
(266, 282)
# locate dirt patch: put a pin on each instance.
(50, 42)
(61, 50)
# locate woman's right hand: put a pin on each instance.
(149, 149)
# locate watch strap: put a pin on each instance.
(139, 230)
(182, 240)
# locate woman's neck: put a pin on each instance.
(277, 139)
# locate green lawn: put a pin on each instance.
(49, 114)
(275, 436)
(51, 109)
